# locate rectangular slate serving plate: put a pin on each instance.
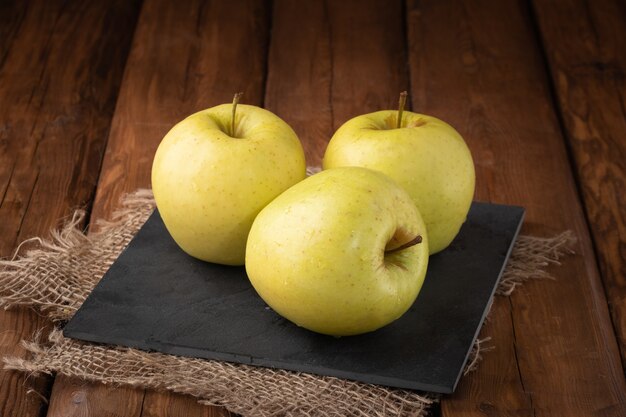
(155, 297)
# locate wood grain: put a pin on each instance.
(324, 68)
(158, 404)
(300, 73)
(584, 44)
(76, 399)
(369, 57)
(11, 18)
(183, 59)
(60, 70)
(478, 66)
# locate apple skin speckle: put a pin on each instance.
(210, 186)
(338, 280)
(427, 157)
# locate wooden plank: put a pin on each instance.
(300, 73)
(76, 399)
(478, 66)
(11, 18)
(324, 68)
(183, 59)
(368, 57)
(158, 404)
(60, 70)
(584, 44)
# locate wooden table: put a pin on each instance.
(538, 89)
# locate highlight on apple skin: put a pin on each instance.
(423, 154)
(341, 253)
(213, 173)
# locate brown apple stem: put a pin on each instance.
(401, 104)
(415, 241)
(232, 122)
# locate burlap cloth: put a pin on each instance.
(55, 276)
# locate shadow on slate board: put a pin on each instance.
(155, 297)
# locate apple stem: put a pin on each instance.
(232, 122)
(415, 241)
(401, 104)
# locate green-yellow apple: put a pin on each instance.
(341, 253)
(423, 154)
(215, 170)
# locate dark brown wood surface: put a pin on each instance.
(490, 70)
(324, 68)
(179, 64)
(299, 75)
(588, 73)
(527, 85)
(61, 65)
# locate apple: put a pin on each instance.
(343, 252)
(423, 154)
(215, 170)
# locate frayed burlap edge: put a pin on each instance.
(247, 390)
(57, 274)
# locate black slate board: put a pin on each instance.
(155, 297)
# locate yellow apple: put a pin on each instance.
(215, 170)
(341, 253)
(423, 154)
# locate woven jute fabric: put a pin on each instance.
(56, 274)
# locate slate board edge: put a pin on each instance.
(68, 325)
(490, 302)
(298, 367)
(189, 352)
